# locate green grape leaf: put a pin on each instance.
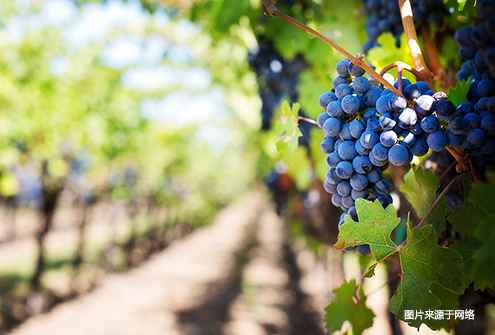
(484, 256)
(420, 187)
(288, 129)
(458, 94)
(482, 194)
(424, 262)
(475, 223)
(374, 228)
(449, 301)
(349, 305)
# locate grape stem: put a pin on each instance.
(441, 195)
(308, 120)
(461, 159)
(447, 171)
(431, 54)
(437, 201)
(413, 43)
(389, 280)
(271, 10)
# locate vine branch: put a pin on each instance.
(437, 201)
(440, 196)
(308, 120)
(271, 10)
(413, 43)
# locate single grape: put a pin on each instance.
(344, 188)
(382, 104)
(383, 187)
(457, 125)
(333, 159)
(327, 145)
(398, 155)
(387, 121)
(334, 109)
(347, 150)
(425, 105)
(397, 103)
(445, 109)
(429, 124)
(359, 181)
(355, 194)
(344, 170)
(332, 126)
(374, 175)
(363, 249)
(357, 127)
(380, 151)
(388, 138)
(330, 188)
(343, 90)
(362, 164)
(407, 118)
(361, 84)
(347, 201)
(453, 140)
(341, 67)
(472, 121)
(326, 98)
(412, 92)
(476, 138)
(368, 139)
(420, 148)
(437, 140)
(487, 124)
(350, 104)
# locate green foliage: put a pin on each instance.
(475, 222)
(420, 187)
(458, 95)
(419, 269)
(349, 305)
(288, 128)
(482, 194)
(374, 228)
(466, 221)
(387, 53)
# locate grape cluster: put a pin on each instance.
(472, 128)
(367, 128)
(385, 17)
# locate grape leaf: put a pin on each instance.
(420, 188)
(288, 128)
(349, 305)
(423, 262)
(449, 301)
(374, 228)
(484, 256)
(465, 221)
(458, 94)
(482, 194)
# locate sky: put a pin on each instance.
(142, 56)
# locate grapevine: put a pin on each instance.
(371, 124)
